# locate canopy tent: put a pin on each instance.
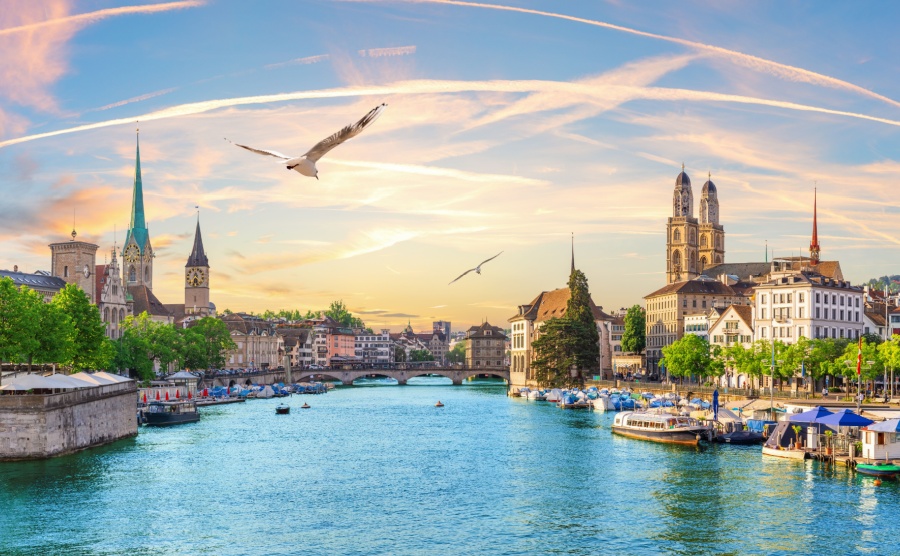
(110, 376)
(813, 415)
(183, 375)
(891, 425)
(32, 382)
(845, 418)
(14, 388)
(93, 380)
(75, 383)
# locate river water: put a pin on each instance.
(380, 470)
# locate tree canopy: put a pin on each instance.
(634, 338)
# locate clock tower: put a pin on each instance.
(196, 278)
(137, 254)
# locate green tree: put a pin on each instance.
(586, 338)
(216, 341)
(11, 320)
(53, 337)
(555, 354)
(890, 354)
(90, 331)
(458, 353)
(420, 355)
(399, 355)
(688, 356)
(848, 361)
(634, 338)
(133, 349)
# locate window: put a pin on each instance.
(788, 298)
(842, 301)
(694, 304)
(704, 304)
(833, 299)
(65, 272)
(676, 236)
(857, 302)
(800, 297)
(800, 312)
(826, 299)
(818, 298)
(762, 313)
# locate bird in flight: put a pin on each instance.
(306, 164)
(477, 269)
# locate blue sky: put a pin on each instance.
(506, 130)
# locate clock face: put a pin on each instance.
(87, 271)
(195, 277)
(131, 253)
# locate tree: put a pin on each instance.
(11, 317)
(399, 355)
(420, 355)
(687, 356)
(889, 352)
(555, 353)
(53, 337)
(90, 331)
(634, 338)
(847, 361)
(134, 348)
(216, 341)
(338, 311)
(458, 353)
(586, 338)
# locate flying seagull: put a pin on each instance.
(306, 164)
(477, 269)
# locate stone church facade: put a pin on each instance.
(693, 245)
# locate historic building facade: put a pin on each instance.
(75, 262)
(196, 276)
(692, 245)
(485, 347)
(111, 298)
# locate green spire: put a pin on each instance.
(137, 203)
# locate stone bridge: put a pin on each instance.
(347, 376)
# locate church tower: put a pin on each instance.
(712, 235)
(681, 233)
(74, 262)
(196, 276)
(137, 254)
(814, 248)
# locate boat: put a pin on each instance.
(163, 414)
(439, 404)
(304, 406)
(878, 469)
(282, 409)
(781, 442)
(740, 437)
(661, 427)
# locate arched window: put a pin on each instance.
(702, 262)
(676, 235)
(121, 315)
(132, 276)
(718, 242)
(146, 273)
(676, 259)
(106, 314)
(703, 240)
(65, 272)
(693, 237)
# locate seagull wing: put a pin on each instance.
(276, 154)
(491, 259)
(352, 130)
(461, 275)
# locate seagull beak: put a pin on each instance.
(317, 176)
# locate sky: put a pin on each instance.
(510, 126)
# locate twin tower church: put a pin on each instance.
(126, 288)
(693, 245)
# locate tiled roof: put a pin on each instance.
(875, 315)
(144, 300)
(741, 270)
(553, 304)
(100, 278)
(699, 287)
(34, 281)
(480, 331)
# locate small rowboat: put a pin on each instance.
(283, 409)
(439, 404)
(878, 469)
(304, 406)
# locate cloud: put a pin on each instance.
(138, 98)
(400, 316)
(306, 60)
(600, 95)
(382, 52)
(777, 69)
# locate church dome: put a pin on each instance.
(682, 179)
(709, 187)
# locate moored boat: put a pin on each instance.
(282, 409)
(163, 414)
(661, 427)
(878, 469)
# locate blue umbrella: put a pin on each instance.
(814, 415)
(845, 418)
(715, 404)
(891, 425)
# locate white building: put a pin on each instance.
(374, 349)
(807, 304)
(735, 326)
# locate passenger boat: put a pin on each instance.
(878, 469)
(661, 427)
(282, 409)
(163, 414)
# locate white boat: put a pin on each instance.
(603, 403)
(524, 391)
(536, 395)
(555, 396)
(661, 427)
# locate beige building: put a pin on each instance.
(258, 344)
(667, 307)
(525, 329)
(75, 262)
(485, 348)
(693, 245)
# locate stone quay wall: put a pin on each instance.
(43, 426)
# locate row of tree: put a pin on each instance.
(813, 358)
(68, 332)
(337, 311)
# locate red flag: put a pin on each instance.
(167, 395)
(189, 394)
(145, 397)
(176, 395)
(157, 395)
(859, 357)
(205, 392)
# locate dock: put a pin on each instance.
(219, 401)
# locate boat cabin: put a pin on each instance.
(881, 441)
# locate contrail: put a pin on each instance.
(601, 92)
(103, 14)
(778, 69)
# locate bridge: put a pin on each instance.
(400, 373)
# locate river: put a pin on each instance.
(381, 470)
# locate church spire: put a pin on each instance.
(137, 202)
(814, 244)
(198, 255)
(573, 254)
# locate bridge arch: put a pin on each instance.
(308, 377)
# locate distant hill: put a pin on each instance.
(892, 283)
